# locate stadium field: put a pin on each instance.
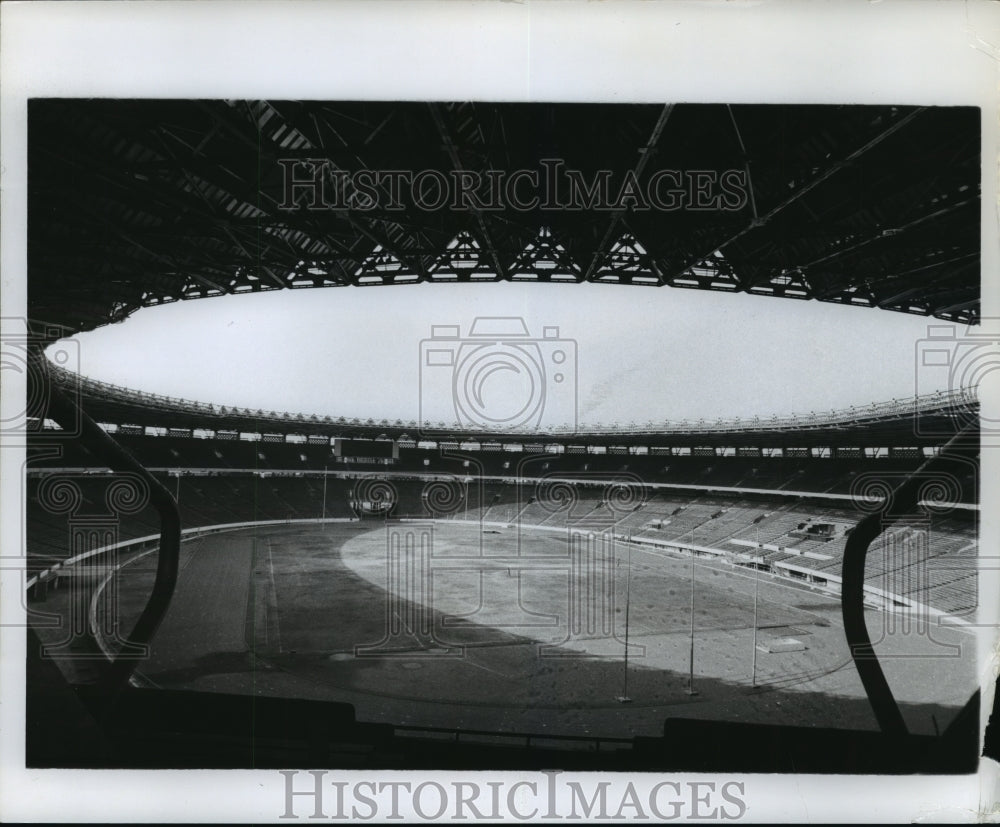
(454, 625)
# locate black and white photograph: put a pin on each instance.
(666, 457)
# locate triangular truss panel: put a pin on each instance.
(712, 273)
(463, 260)
(858, 295)
(382, 267)
(789, 283)
(966, 313)
(942, 302)
(201, 288)
(248, 280)
(316, 274)
(627, 262)
(151, 298)
(545, 259)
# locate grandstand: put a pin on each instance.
(244, 548)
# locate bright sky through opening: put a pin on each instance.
(642, 355)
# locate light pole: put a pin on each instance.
(756, 590)
(691, 689)
(324, 494)
(624, 698)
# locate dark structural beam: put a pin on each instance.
(902, 502)
(65, 411)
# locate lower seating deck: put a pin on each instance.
(933, 563)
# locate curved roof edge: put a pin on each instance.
(113, 403)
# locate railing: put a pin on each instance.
(960, 400)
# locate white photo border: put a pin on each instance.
(890, 52)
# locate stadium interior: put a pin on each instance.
(133, 204)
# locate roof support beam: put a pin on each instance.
(645, 154)
(888, 233)
(484, 232)
(806, 188)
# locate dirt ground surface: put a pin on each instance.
(445, 625)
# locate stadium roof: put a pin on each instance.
(138, 203)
